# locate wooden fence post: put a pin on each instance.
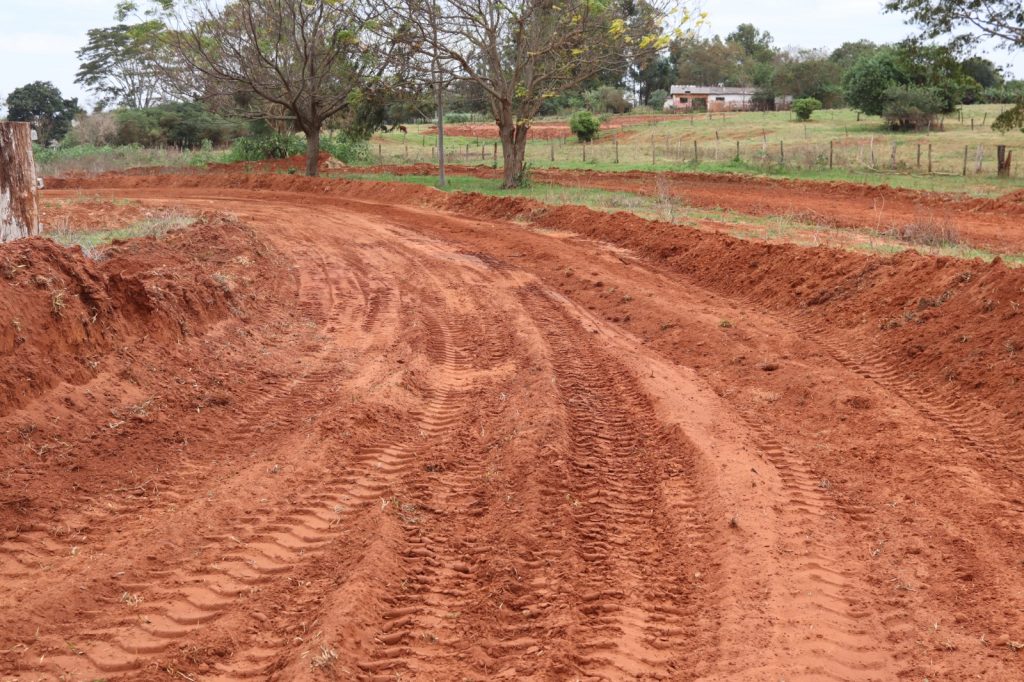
(695, 155)
(1003, 161)
(929, 158)
(782, 154)
(965, 160)
(830, 153)
(919, 155)
(615, 143)
(19, 193)
(737, 151)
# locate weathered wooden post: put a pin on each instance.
(1003, 161)
(19, 194)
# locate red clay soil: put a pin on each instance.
(461, 437)
(986, 223)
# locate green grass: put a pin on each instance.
(780, 228)
(805, 145)
(91, 241)
(87, 158)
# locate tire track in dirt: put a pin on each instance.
(182, 600)
(827, 630)
(634, 529)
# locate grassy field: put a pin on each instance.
(770, 143)
(741, 225)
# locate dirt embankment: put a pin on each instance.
(991, 223)
(61, 313)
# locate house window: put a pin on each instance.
(719, 99)
(683, 100)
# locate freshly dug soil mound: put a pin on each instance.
(60, 312)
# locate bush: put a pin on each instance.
(346, 149)
(606, 99)
(456, 117)
(182, 124)
(763, 99)
(98, 130)
(656, 100)
(261, 147)
(805, 106)
(584, 125)
(910, 107)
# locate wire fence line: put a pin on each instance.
(881, 154)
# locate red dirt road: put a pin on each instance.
(397, 436)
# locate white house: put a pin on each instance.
(716, 98)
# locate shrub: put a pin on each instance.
(182, 124)
(763, 99)
(261, 147)
(805, 106)
(97, 129)
(456, 117)
(910, 107)
(346, 149)
(606, 99)
(584, 125)
(656, 100)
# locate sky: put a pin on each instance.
(38, 38)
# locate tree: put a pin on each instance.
(808, 73)
(999, 19)
(966, 22)
(910, 107)
(847, 54)
(804, 107)
(525, 52)
(865, 83)
(756, 44)
(983, 71)
(121, 64)
(41, 104)
(584, 125)
(708, 62)
(303, 61)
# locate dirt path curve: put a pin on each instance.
(468, 449)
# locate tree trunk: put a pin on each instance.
(313, 151)
(513, 149)
(19, 204)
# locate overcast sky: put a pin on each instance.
(38, 38)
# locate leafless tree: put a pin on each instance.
(522, 52)
(304, 61)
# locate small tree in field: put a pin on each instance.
(584, 125)
(522, 53)
(304, 61)
(805, 106)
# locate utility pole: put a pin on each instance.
(19, 192)
(439, 94)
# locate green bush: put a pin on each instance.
(656, 100)
(456, 117)
(182, 124)
(346, 149)
(584, 125)
(261, 147)
(805, 106)
(910, 107)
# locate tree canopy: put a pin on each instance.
(42, 104)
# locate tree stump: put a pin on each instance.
(19, 194)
